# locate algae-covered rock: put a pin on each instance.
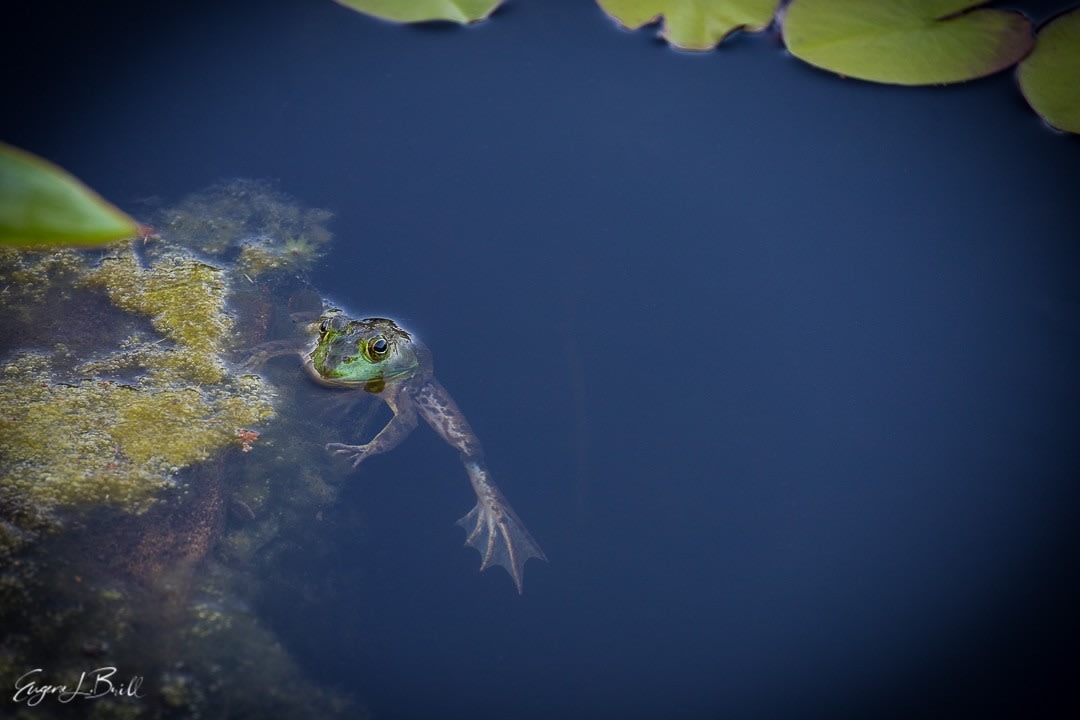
(148, 481)
(93, 440)
(249, 222)
(72, 434)
(185, 301)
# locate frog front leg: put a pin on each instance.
(397, 429)
(254, 358)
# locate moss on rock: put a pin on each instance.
(185, 301)
(249, 221)
(76, 438)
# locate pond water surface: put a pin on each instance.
(779, 368)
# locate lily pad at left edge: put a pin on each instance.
(1050, 76)
(693, 24)
(414, 11)
(43, 205)
(906, 42)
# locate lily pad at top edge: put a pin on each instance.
(1050, 76)
(41, 205)
(693, 24)
(414, 11)
(906, 42)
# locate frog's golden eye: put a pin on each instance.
(379, 347)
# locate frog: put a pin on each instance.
(376, 356)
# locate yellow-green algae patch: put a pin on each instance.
(101, 441)
(78, 436)
(184, 299)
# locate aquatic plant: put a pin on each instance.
(41, 204)
(459, 11)
(1050, 76)
(905, 42)
(913, 42)
(693, 25)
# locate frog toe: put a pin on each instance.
(356, 453)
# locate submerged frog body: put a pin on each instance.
(375, 355)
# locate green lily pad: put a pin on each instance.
(693, 24)
(41, 204)
(1050, 76)
(414, 11)
(906, 42)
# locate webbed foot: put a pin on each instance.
(356, 453)
(495, 530)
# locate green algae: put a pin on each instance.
(76, 437)
(251, 223)
(101, 441)
(185, 300)
(26, 275)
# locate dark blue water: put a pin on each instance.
(779, 368)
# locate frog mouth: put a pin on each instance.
(323, 376)
(336, 378)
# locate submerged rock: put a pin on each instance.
(147, 481)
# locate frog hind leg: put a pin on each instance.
(495, 530)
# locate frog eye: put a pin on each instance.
(379, 346)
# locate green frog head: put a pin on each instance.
(371, 353)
